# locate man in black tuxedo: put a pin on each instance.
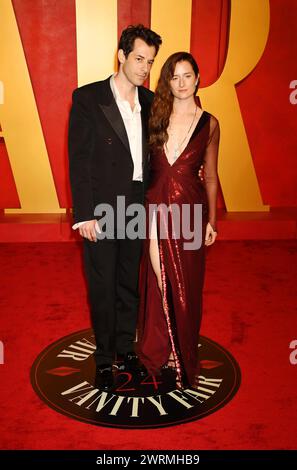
(108, 157)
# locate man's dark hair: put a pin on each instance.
(133, 32)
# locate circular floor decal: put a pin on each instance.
(63, 377)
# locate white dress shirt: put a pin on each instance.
(132, 122)
(133, 126)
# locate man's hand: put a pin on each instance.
(87, 230)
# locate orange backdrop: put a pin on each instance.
(48, 33)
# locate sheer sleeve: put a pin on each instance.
(210, 170)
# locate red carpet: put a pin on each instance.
(249, 308)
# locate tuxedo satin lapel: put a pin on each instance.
(144, 124)
(114, 117)
(144, 139)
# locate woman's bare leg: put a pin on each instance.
(155, 262)
(154, 253)
(156, 265)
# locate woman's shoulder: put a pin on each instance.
(212, 120)
(211, 117)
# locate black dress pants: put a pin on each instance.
(112, 268)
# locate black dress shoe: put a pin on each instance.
(142, 371)
(131, 364)
(104, 379)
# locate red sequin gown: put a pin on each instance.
(171, 324)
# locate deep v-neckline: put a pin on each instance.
(194, 132)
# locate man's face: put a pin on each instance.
(136, 67)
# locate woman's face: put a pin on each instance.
(183, 82)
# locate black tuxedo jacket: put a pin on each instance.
(100, 161)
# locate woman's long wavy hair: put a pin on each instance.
(163, 101)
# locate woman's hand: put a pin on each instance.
(210, 235)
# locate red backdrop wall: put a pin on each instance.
(47, 30)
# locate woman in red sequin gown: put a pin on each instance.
(182, 138)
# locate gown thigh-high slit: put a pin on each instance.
(170, 314)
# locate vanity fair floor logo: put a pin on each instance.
(63, 377)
